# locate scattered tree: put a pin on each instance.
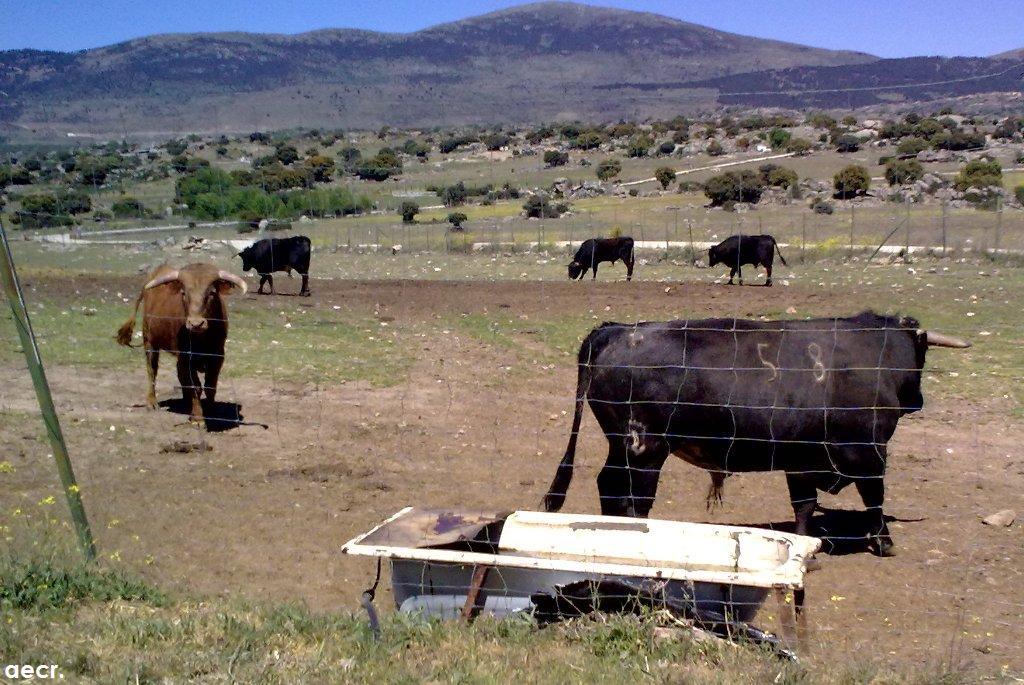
(851, 181)
(408, 210)
(664, 176)
(456, 219)
(846, 142)
(609, 169)
(715, 149)
(553, 158)
(639, 146)
(903, 171)
(979, 173)
(734, 186)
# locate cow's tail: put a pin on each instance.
(127, 329)
(555, 497)
(776, 244)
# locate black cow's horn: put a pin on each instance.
(939, 340)
(160, 280)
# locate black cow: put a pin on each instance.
(818, 399)
(278, 254)
(738, 250)
(593, 251)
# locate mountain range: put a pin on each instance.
(538, 62)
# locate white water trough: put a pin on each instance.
(451, 563)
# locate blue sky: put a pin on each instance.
(889, 28)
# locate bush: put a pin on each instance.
(734, 186)
(1018, 193)
(175, 147)
(553, 158)
(820, 206)
(979, 173)
(851, 181)
(455, 142)
(912, 145)
(540, 206)
(588, 140)
(715, 149)
(456, 219)
(667, 147)
(408, 210)
(454, 195)
(639, 146)
(128, 207)
(608, 169)
(664, 175)
(379, 168)
(846, 142)
(902, 171)
(286, 154)
(43, 210)
(820, 120)
(799, 146)
(778, 176)
(496, 141)
(778, 138)
(958, 140)
(318, 169)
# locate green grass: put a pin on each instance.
(100, 624)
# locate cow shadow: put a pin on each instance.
(842, 531)
(218, 417)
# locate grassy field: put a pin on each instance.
(99, 623)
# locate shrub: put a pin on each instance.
(820, 206)
(496, 141)
(456, 219)
(454, 195)
(778, 138)
(175, 147)
(379, 168)
(778, 176)
(664, 175)
(639, 146)
(820, 120)
(455, 142)
(667, 147)
(349, 155)
(553, 158)
(912, 145)
(318, 168)
(286, 154)
(1018, 193)
(799, 146)
(958, 140)
(415, 149)
(849, 120)
(408, 210)
(715, 149)
(588, 140)
(902, 171)
(540, 206)
(43, 210)
(734, 186)
(846, 142)
(850, 181)
(608, 169)
(979, 173)
(128, 207)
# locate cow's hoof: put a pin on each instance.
(883, 547)
(812, 564)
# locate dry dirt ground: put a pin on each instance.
(263, 512)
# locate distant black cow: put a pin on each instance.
(738, 250)
(818, 399)
(596, 250)
(278, 254)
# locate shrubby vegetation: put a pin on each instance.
(851, 181)
(902, 171)
(734, 186)
(979, 173)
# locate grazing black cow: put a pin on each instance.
(278, 254)
(593, 251)
(738, 250)
(818, 399)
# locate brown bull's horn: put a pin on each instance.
(160, 280)
(939, 340)
(233, 280)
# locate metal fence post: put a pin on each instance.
(945, 209)
(20, 317)
(999, 224)
(853, 223)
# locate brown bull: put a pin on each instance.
(183, 313)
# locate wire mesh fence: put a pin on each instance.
(438, 367)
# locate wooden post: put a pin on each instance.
(803, 231)
(476, 597)
(945, 208)
(906, 234)
(853, 222)
(999, 224)
(693, 253)
(20, 317)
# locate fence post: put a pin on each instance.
(693, 253)
(999, 224)
(945, 208)
(853, 223)
(19, 315)
(803, 232)
(906, 233)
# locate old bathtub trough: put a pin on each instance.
(459, 563)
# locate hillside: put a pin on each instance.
(860, 85)
(527, 63)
